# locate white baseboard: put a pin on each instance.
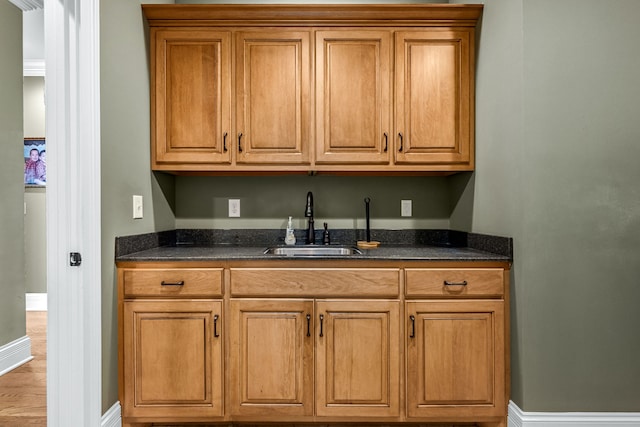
(14, 354)
(113, 417)
(518, 418)
(36, 302)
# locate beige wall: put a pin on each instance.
(35, 240)
(34, 107)
(12, 302)
(35, 198)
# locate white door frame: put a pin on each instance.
(72, 95)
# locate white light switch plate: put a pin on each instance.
(234, 208)
(137, 207)
(405, 208)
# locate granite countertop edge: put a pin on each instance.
(249, 245)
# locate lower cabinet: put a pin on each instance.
(315, 344)
(271, 357)
(172, 353)
(357, 362)
(455, 359)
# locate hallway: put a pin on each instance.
(23, 391)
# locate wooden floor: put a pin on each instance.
(23, 391)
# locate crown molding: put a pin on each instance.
(27, 5)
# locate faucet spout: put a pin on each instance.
(308, 212)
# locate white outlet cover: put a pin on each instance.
(234, 208)
(405, 208)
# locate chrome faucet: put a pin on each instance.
(308, 212)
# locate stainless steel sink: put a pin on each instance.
(310, 251)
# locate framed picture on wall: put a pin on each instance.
(35, 162)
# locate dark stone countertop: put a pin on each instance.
(249, 245)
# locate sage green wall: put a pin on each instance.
(125, 159)
(12, 302)
(558, 147)
(267, 202)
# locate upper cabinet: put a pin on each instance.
(272, 96)
(434, 97)
(353, 96)
(191, 97)
(372, 89)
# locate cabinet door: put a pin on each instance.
(172, 359)
(353, 69)
(455, 359)
(191, 121)
(434, 94)
(271, 358)
(358, 358)
(272, 96)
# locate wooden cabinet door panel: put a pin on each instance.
(357, 358)
(455, 358)
(272, 96)
(271, 358)
(353, 69)
(192, 97)
(434, 87)
(173, 358)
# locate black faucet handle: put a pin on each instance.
(326, 240)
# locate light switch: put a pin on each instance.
(137, 207)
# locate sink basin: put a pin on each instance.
(313, 250)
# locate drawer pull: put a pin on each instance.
(215, 326)
(178, 283)
(321, 322)
(413, 326)
(463, 283)
(308, 325)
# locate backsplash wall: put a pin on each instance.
(267, 201)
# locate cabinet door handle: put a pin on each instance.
(215, 326)
(240, 142)
(413, 326)
(448, 283)
(321, 324)
(401, 141)
(178, 283)
(224, 142)
(308, 325)
(386, 142)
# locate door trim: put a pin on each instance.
(72, 88)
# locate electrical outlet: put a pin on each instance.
(405, 207)
(234, 208)
(137, 207)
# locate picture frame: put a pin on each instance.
(35, 163)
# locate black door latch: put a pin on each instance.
(75, 259)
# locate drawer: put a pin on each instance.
(311, 282)
(462, 282)
(173, 283)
